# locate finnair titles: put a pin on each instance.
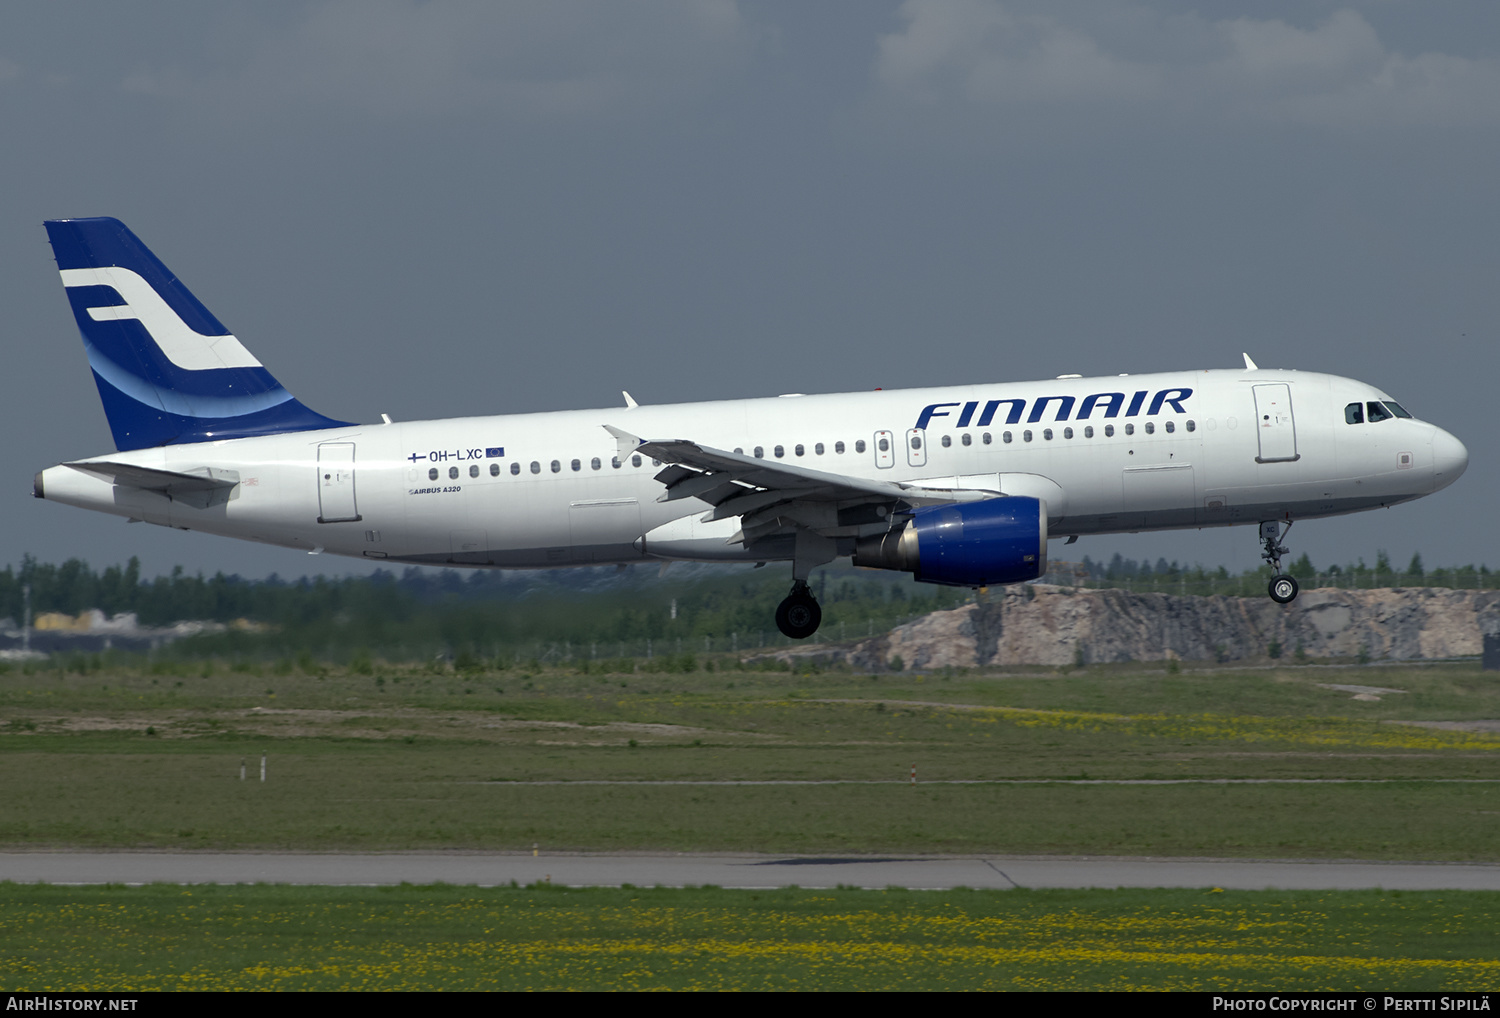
(961, 486)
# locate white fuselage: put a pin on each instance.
(544, 489)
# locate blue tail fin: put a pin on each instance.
(167, 371)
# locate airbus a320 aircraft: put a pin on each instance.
(960, 486)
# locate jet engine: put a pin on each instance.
(972, 544)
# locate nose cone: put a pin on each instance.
(1449, 459)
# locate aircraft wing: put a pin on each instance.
(770, 494)
(204, 487)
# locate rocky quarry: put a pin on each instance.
(1036, 624)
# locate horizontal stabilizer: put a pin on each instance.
(201, 488)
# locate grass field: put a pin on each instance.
(164, 937)
(1265, 763)
(396, 757)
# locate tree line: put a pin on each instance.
(591, 611)
(420, 612)
(1172, 577)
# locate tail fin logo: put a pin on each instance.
(184, 347)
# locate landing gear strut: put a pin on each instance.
(1283, 586)
(799, 615)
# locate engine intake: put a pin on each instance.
(972, 544)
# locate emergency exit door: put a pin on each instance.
(916, 447)
(336, 503)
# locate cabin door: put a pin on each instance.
(336, 483)
(1274, 424)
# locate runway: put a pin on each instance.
(737, 871)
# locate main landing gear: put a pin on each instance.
(799, 615)
(1283, 586)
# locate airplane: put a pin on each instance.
(962, 486)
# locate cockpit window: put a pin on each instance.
(1354, 413)
(1378, 412)
(1396, 408)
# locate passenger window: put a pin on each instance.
(947, 441)
(1130, 429)
(474, 470)
(635, 460)
(1170, 427)
(1067, 432)
(494, 470)
(838, 447)
(739, 451)
(515, 468)
(432, 474)
(1109, 431)
(779, 451)
(1150, 428)
(760, 452)
(594, 463)
(916, 443)
(1047, 434)
(1377, 412)
(576, 466)
(859, 445)
(799, 450)
(1354, 413)
(1191, 426)
(453, 473)
(885, 445)
(614, 461)
(557, 466)
(968, 439)
(536, 467)
(1026, 435)
(1006, 438)
(655, 462)
(818, 448)
(1088, 432)
(986, 438)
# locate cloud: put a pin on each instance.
(529, 59)
(983, 53)
(1132, 60)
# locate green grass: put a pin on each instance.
(166, 937)
(421, 757)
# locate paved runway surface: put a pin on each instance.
(731, 871)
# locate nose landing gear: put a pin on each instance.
(1283, 586)
(799, 616)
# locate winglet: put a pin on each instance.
(630, 403)
(1249, 364)
(626, 441)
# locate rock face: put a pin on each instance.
(1045, 625)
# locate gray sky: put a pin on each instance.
(455, 208)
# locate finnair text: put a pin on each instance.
(1107, 404)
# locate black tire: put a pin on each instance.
(1283, 589)
(798, 617)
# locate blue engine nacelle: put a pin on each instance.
(970, 544)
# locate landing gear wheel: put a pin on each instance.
(799, 616)
(1283, 589)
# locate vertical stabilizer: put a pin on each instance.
(168, 372)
